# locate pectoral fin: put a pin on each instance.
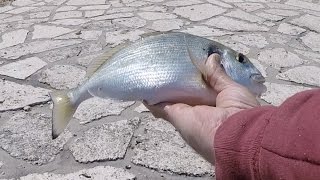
(198, 63)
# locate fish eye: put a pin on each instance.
(241, 58)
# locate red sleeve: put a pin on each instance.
(272, 142)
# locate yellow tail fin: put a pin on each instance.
(62, 113)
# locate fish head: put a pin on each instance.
(241, 70)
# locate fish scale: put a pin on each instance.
(162, 68)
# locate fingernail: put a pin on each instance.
(166, 108)
(209, 65)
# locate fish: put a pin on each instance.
(167, 67)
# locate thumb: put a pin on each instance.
(216, 76)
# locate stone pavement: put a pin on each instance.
(47, 45)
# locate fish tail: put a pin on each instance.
(63, 110)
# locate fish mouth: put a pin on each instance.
(258, 78)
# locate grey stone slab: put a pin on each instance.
(96, 108)
(304, 75)
(6, 8)
(311, 55)
(199, 12)
(312, 40)
(104, 142)
(139, 4)
(304, 4)
(61, 54)
(113, 16)
(286, 28)
(58, 2)
(156, 15)
(85, 35)
(27, 24)
(84, 2)
(233, 1)
(66, 8)
(116, 3)
(34, 47)
(22, 2)
(279, 38)
(4, 27)
(27, 136)
(282, 12)
(43, 8)
(141, 108)
(20, 10)
(249, 6)
(279, 58)
(276, 94)
(67, 14)
(13, 38)
(206, 31)
(220, 3)
(39, 14)
(23, 68)
(133, 22)
(239, 14)
(308, 21)
(269, 23)
(160, 147)
(297, 44)
(96, 173)
(239, 47)
(11, 19)
(182, 3)
(95, 13)
(3, 16)
(282, 6)
(261, 1)
(107, 25)
(95, 7)
(71, 22)
(167, 25)
(234, 25)
(86, 60)
(155, 8)
(45, 31)
(89, 48)
(270, 17)
(259, 66)
(118, 37)
(17, 96)
(254, 40)
(63, 76)
(314, 13)
(120, 10)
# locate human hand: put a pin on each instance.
(198, 124)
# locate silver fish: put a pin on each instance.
(161, 68)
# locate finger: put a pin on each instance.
(181, 116)
(197, 126)
(157, 110)
(216, 76)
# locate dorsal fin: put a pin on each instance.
(100, 60)
(150, 34)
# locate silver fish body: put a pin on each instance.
(156, 69)
(163, 68)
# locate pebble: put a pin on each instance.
(27, 108)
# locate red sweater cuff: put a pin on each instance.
(271, 142)
(237, 143)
